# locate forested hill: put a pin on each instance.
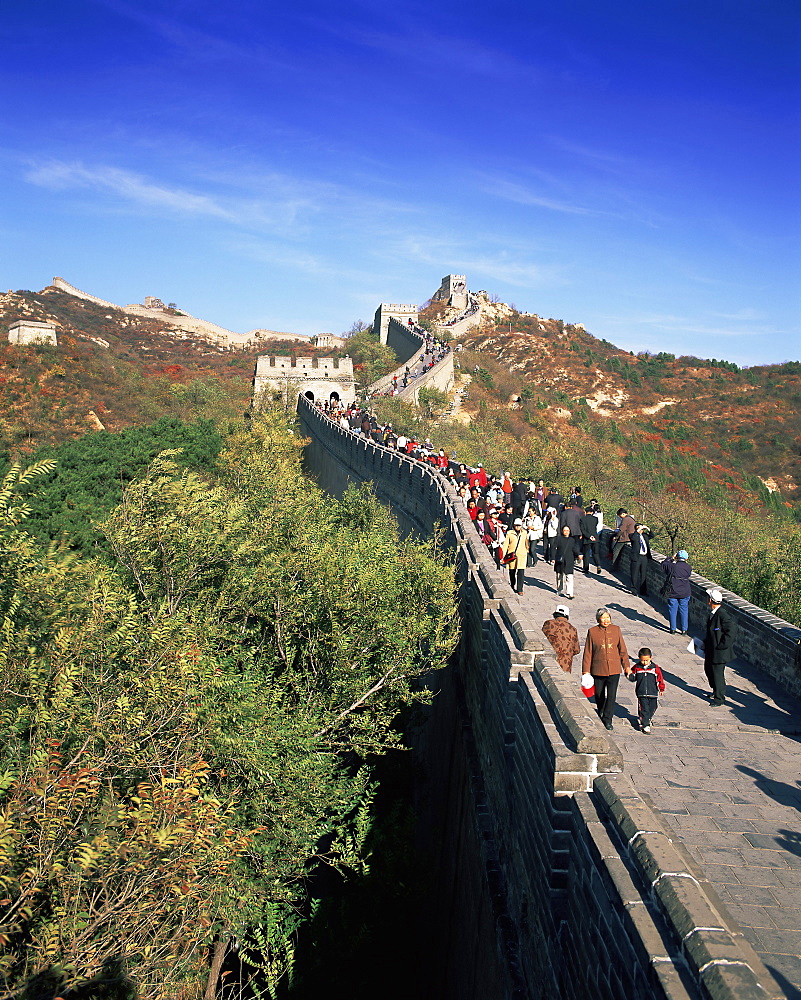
(111, 370)
(743, 425)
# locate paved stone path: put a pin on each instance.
(728, 779)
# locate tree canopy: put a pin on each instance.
(186, 729)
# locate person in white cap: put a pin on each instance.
(718, 643)
(563, 637)
(516, 545)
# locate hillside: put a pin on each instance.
(112, 370)
(741, 424)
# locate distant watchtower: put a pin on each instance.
(315, 378)
(453, 291)
(390, 310)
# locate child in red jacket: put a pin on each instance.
(650, 684)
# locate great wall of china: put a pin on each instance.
(561, 872)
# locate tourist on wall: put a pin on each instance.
(564, 562)
(622, 537)
(494, 536)
(591, 538)
(507, 516)
(677, 593)
(550, 529)
(718, 647)
(563, 637)
(639, 557)
(533, 524)
(650, 684)
(516, 545)
(605, 657)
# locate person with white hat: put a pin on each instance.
(515, 553)
(718, 647)
(563, 637)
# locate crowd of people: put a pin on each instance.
(523, 521)
(434, 351)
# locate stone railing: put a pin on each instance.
(555, 878)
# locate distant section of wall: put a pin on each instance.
(210, 332)
(555, 878)
(65, 286)
(403, 340)
(466, 320)
(441, 377)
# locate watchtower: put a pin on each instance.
(388, 310)
(315, 378)
(453, 291)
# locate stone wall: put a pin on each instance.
(555, 878)
(403, 340)
(65, 286)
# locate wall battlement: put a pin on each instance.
(339, 366)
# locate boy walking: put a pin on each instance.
(650, 684)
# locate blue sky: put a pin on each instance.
(635, 167)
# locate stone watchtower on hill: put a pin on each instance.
(29, 331)
(393, 310)
(315, 378)
(452, 291)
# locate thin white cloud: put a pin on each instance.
(693, 325)
(59, 176)
(254, 200)
(521, 195)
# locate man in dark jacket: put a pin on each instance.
(571, 516)
(718, 647)
(640, 554)
(554, 499)
(590, 540)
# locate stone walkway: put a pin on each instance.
(728, 779)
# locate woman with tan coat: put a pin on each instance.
(516, 544)
(605, 656)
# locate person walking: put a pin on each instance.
(516, 545)
(718, 646)
(649, 685)
(533, 523)
(563, 637)
(591, 535)
(564, 563)
(677, 590)
(549, 533)
(605, 657)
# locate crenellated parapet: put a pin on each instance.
(406, 314)
(314, 378)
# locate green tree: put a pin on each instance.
(371, 358)
(186, 735)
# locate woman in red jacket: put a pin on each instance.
(605, 656)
